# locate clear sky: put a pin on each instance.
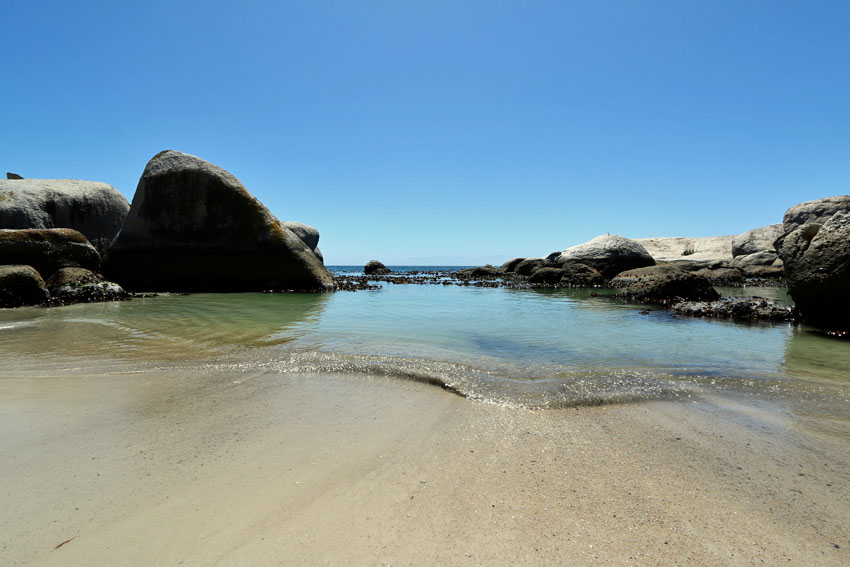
(446, 132)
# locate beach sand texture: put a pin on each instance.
(134, 464)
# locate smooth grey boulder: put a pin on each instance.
(193, 226)
(95, 209)
(375, 268)
(664, 284)
(817, 270)
(608, 253)
(309, 235)
(21, 285)
(47, 250)
(756, 240)
(762, 258)
(510, 265)
(817, 211)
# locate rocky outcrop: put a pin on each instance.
(21, 285)
(756, 240)
(610, 254)
(730, 277)
(546, 275)
(817, 270)
(762, 258)
(375, 268)
(529, 266)
(510, 265)
(736, 308)
(76, 285)
(486, 271)
(48, 250)
(10, 175)
(664, 284)
(576, 274)
(95, 209)
(672, 248)
(192, 226)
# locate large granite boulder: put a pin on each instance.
(375, 268)
(817, 211)
(664, 284)
(95, 209)
(608, 253)
(756, 240)
(192, 226)
(21, 285)
(817, 270)
(47, 250)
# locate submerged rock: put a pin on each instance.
(193, 226)
(95, 209)
(21, 285)
(375, 268)
(608, 253)
(47, 250)
(741, 309)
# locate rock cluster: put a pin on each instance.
(192, 226)
(94, 209)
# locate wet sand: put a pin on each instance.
(163, 466)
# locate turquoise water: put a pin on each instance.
(540, 348)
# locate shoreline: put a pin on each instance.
(165, 465)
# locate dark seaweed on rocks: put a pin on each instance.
(738, 309)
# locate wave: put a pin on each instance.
(505, 386)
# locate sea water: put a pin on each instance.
(549, 348)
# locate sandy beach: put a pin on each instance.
(169, 466)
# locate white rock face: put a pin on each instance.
(95, 209)
(668, 249)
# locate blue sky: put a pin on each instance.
(447, 132)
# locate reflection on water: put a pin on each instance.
(167, 326)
